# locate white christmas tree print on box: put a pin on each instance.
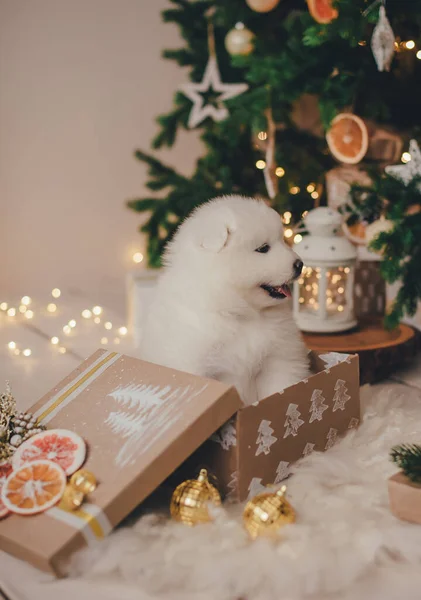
(265, 439)
(308, 448)
(282, 471)
(331, 438)
(317, 406)
(334, 358)
(293, 421)
(226, 436)
(256, 487)
(353, 424)
(341, 397)
(233, 484)
(157, 409)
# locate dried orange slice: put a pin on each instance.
(5, 470)
(34, 487)
(347, 138)
(356, 233)
(322, 11)
(59, 445)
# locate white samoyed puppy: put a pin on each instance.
(222, 304)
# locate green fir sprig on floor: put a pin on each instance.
(408, 458)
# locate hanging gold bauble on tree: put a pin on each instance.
(239, 41)
(265, 513)
(262, 5)
(189, 502)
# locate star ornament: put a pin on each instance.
(407, 172)
(211, 81)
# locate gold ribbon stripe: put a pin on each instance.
(75, 386)
(89, 519)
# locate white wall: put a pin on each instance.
(80, 85)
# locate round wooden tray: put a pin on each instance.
(380, 351)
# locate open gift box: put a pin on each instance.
(142, 421)
(257, 446)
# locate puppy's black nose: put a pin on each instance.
(298, 267)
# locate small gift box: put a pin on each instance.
(405, 498)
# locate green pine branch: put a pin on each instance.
(408, 458)
(400, 248)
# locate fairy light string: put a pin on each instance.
(24, 315)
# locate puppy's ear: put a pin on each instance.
(216, 237)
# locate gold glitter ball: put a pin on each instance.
(190, 500)
(83, 481)
(267, 512)
(72, 499)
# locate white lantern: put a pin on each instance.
(323, 295)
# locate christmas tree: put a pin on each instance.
(302, 68)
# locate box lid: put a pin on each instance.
(140, 422)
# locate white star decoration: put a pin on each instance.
(211, 80)
(411, 169)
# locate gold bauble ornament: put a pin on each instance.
(239, 41)
(189, 502)
(83, 481)
(72, 499)
(262, 5)
(265, 513)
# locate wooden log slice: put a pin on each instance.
(381, 352)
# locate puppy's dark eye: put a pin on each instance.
(263, 249)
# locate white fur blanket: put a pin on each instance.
(345, 544)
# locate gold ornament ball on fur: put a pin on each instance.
(84, 481)
(267, 512)
(189, 502)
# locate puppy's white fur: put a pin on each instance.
(210, 317)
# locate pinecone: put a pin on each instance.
(21, 427)
(6, 451)
(15, 427)
(7, 402)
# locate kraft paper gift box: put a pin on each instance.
(141, 422)
(405, 498)
(259, 444)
